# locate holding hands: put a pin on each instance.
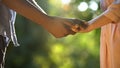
(57, 26)
(60, 27)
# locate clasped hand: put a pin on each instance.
(61, 27)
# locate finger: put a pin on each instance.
(70, 23)
(78, 25)
(69, 30)
(82, 23)
(76, 28)
(73, 25)
(72, 32)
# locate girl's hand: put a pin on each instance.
(60, 27)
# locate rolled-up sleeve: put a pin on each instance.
(113, 11)
(7, 20)
(116, 2)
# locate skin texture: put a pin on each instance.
(110, 33)
(57, 26)
(96, 23)
(111, 14)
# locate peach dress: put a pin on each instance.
(110, 42)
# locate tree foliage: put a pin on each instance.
(39, 49)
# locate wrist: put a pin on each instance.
(47, 21)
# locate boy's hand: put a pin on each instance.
(60, 27)
(78, 27)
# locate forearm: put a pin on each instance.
(29, 9)
(111, 15)
(98, 22)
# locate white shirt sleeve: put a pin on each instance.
(7, 20)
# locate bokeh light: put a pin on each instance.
(39, 49)
(93, 5)
(83, 6)
(66, 1)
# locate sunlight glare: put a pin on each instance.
(83, 6)
(66, 1)
(93, 5)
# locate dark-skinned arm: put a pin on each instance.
(57, 26)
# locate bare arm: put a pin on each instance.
(29, 9)
(57, 26)
(111, 15)
(97, 22)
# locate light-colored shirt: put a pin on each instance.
(7, 20)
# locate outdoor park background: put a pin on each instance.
(39, 49)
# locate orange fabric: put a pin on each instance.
(110, 46)
(112, 14)
(110, 43)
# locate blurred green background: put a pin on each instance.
(39, 49)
